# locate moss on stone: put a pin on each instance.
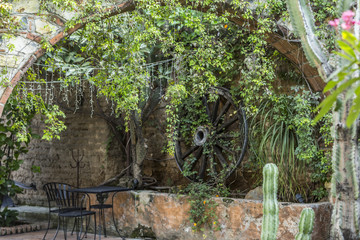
(142, 231)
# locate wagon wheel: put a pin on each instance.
(217, 145)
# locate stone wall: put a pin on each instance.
(83, 133)
(165, 216)
(102, 159)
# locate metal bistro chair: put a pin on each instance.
(102, 207)
(69, 205)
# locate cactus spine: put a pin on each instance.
(270, 221)
(306, 224)
(303, 22)
(345, 163)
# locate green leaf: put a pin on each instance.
(347, 48)
(350, 38)
(330, 85)
(344, 56)
(328, 102)
(354, 112)
(2, 128)
(36, 136)
(2, 137)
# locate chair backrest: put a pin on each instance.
(59, 193)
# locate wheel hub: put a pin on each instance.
(201, 136)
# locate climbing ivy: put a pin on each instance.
(208, 48)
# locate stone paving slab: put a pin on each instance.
(38, 235)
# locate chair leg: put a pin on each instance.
(75, 222)
(58, 228)
(103, 220)
(95, 226)
(48, 226)
(87, 224)
(65, 228)
(80, 228)
(87, 221)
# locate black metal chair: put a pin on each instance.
(69, 205)
(102, 207)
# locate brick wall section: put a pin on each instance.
(103, 158)
(55, 157)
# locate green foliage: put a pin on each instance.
(344, 80)
(320, 174)
(8, 217)
(15, 135)
(283, 132)
(7, 21)
(209, 51)
(11, 149)
(203, 206)
(324, 10)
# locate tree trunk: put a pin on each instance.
(138, 146)
(345, 186)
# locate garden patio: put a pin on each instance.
(181, 119)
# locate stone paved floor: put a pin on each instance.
(38, 235)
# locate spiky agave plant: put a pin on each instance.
(346, 170)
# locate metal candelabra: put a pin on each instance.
(77, 159)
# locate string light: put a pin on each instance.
(47, 86)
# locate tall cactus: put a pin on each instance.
(270, 221)
(306, 224)
(345, 163)
(303, 23)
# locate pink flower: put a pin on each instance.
(347, 20)
(346, 26)
(347, 16)
(334, 23)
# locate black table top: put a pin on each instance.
(100, 189)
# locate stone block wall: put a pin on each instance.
(88, 135)
(165, 216)
(103, 158)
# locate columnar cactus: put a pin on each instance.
(270, 221)
(306, 224)
(346, 169)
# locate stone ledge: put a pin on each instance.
(22, 228)
(166, 216)
(36, 216)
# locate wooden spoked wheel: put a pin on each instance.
(216, 146)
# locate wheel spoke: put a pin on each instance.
(178, 153)
(221, 157)
(213, 165)
(190, 151)
(225, 148)
(222, 112)
(227, 135)
(203, 166)
(192, 164)
(215, 109)
(198, 155)
(205, 102)
(227, 138)
(227, 124)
